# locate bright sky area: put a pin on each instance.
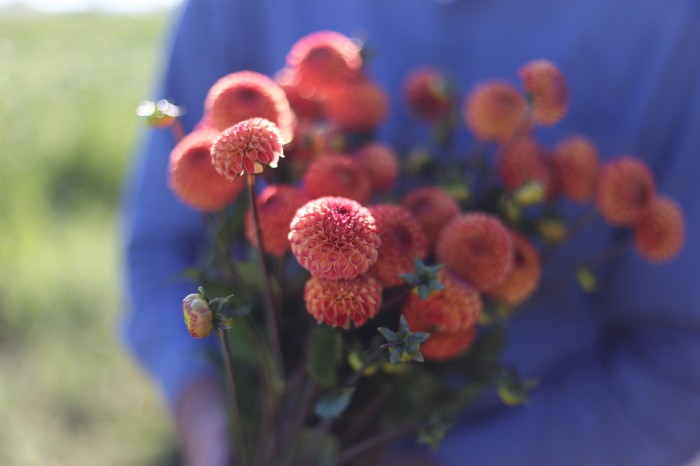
(117, 6)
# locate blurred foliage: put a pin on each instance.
(69, 394)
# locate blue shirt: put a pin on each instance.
(620, 370)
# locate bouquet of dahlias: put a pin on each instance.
(352, 282)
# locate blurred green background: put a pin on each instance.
(69, 393)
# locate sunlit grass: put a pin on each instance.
(69, 395)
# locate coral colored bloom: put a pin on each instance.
(246, 94)
(575, 164)
(427, 94)
(305, 107)
(477, 247)
(660, 232)
(194, 179)
(625, 190)
(198, 316)
(322, 61)
(334, 238)
(433, 208)
(549, 92)
(360, 105)
(277, 205)
(402, 240)
(381, 164)
(523, 279)
(456, 308)
(336, 302)
(494, 110)
(526, 161)
(337, 175)
(246, 147)
(442, 344)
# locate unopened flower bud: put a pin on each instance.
(198, 315)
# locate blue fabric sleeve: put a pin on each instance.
(634, 397)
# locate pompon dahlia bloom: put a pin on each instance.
(454, 309)
(322, 61)
(337, 175)
(549, 91)
(336, 302)
(402, 240)
(660, 231)
(360, 105)
(478, 247)
(334, 238)
(526, 161)
(247, 94)
(624, 191)
(575, 164)
(277, 205)
(427, 94)
(433, 208)
(523, 279)
(441, 346)
(245, 147)
(493, 110)
(381, 164)
(194, 179)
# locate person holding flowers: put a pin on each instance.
(618, 368)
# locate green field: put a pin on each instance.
(69, 395)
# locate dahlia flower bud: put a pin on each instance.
(575, 164)
(245, 147)
(198, 316)
(276, 205)
(660, 231)
(337, 175)
(478, 247)
(246, 94)
(360, 105)
(427, 94)
(323, 61)
(493, 111)
(159, 114)
(193, 178)
(334, 238)
(548, 90)
(402, 240)
(625, 190)
(337, 302)
(433, 208)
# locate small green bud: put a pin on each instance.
(198, 315)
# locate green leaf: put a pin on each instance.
(325, 353)
(418, 337)
(389, 335)
(434, 433)
(395, 355)
(333, 404)
(403, 327)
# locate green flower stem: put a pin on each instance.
(240, 455)
(270, 313)
(326, 424)
(359, 424)
(268, 394)
(373, 442)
